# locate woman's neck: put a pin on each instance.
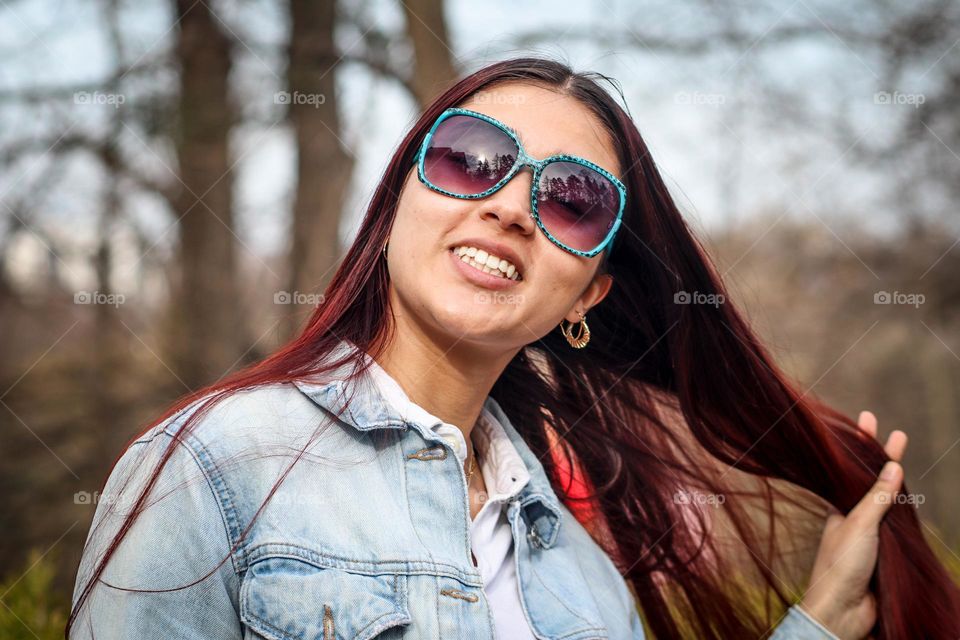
(450, 382)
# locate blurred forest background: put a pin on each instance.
(179, 178)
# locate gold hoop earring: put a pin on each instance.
(583, 334)
(385, 248)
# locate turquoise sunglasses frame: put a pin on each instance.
(523, 160)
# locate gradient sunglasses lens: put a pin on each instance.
(467, 156)
(577, 205)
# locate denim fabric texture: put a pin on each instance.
(366, 537)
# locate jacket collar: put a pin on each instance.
(369, 410)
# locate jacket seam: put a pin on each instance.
(200, 458)
(402, 461)
(591, 625)
(800, 610)
(268, 550)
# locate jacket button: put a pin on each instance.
(453, 441)
(429, 453)
(534, 537)
(461, 595)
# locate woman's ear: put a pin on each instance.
(596, 291)
(602, 284)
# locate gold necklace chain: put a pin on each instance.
(471, 468)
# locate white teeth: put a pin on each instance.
(488, 263)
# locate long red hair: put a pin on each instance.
(667, 400)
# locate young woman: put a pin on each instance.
(449, 450)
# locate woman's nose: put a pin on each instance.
(511, 204)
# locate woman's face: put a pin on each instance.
(432, 287)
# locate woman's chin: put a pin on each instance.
(462, 316)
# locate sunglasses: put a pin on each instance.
(577, 204)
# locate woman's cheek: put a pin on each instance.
(544, 305)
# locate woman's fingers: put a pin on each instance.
(834, 520)
(896, 441)
(839, 594)
(867, 513)
(896, 445)
(868, 423)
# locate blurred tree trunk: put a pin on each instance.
(108, 340)
(206, 321)
(434, 69)
(106, 337)
(324, 164)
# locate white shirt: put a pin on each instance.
(504, 474)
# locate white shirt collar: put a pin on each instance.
(504, 471)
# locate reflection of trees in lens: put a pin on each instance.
(444, 164)
(487, 171)
(470, 155)
(578, 192)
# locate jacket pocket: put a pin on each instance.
(287, 599)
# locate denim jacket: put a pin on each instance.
(365, 537)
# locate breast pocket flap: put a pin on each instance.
(289, 599)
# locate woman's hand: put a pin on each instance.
(838, 596)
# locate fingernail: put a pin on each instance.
(889, 471)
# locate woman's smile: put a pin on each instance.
(482, 275)
(488, 262)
